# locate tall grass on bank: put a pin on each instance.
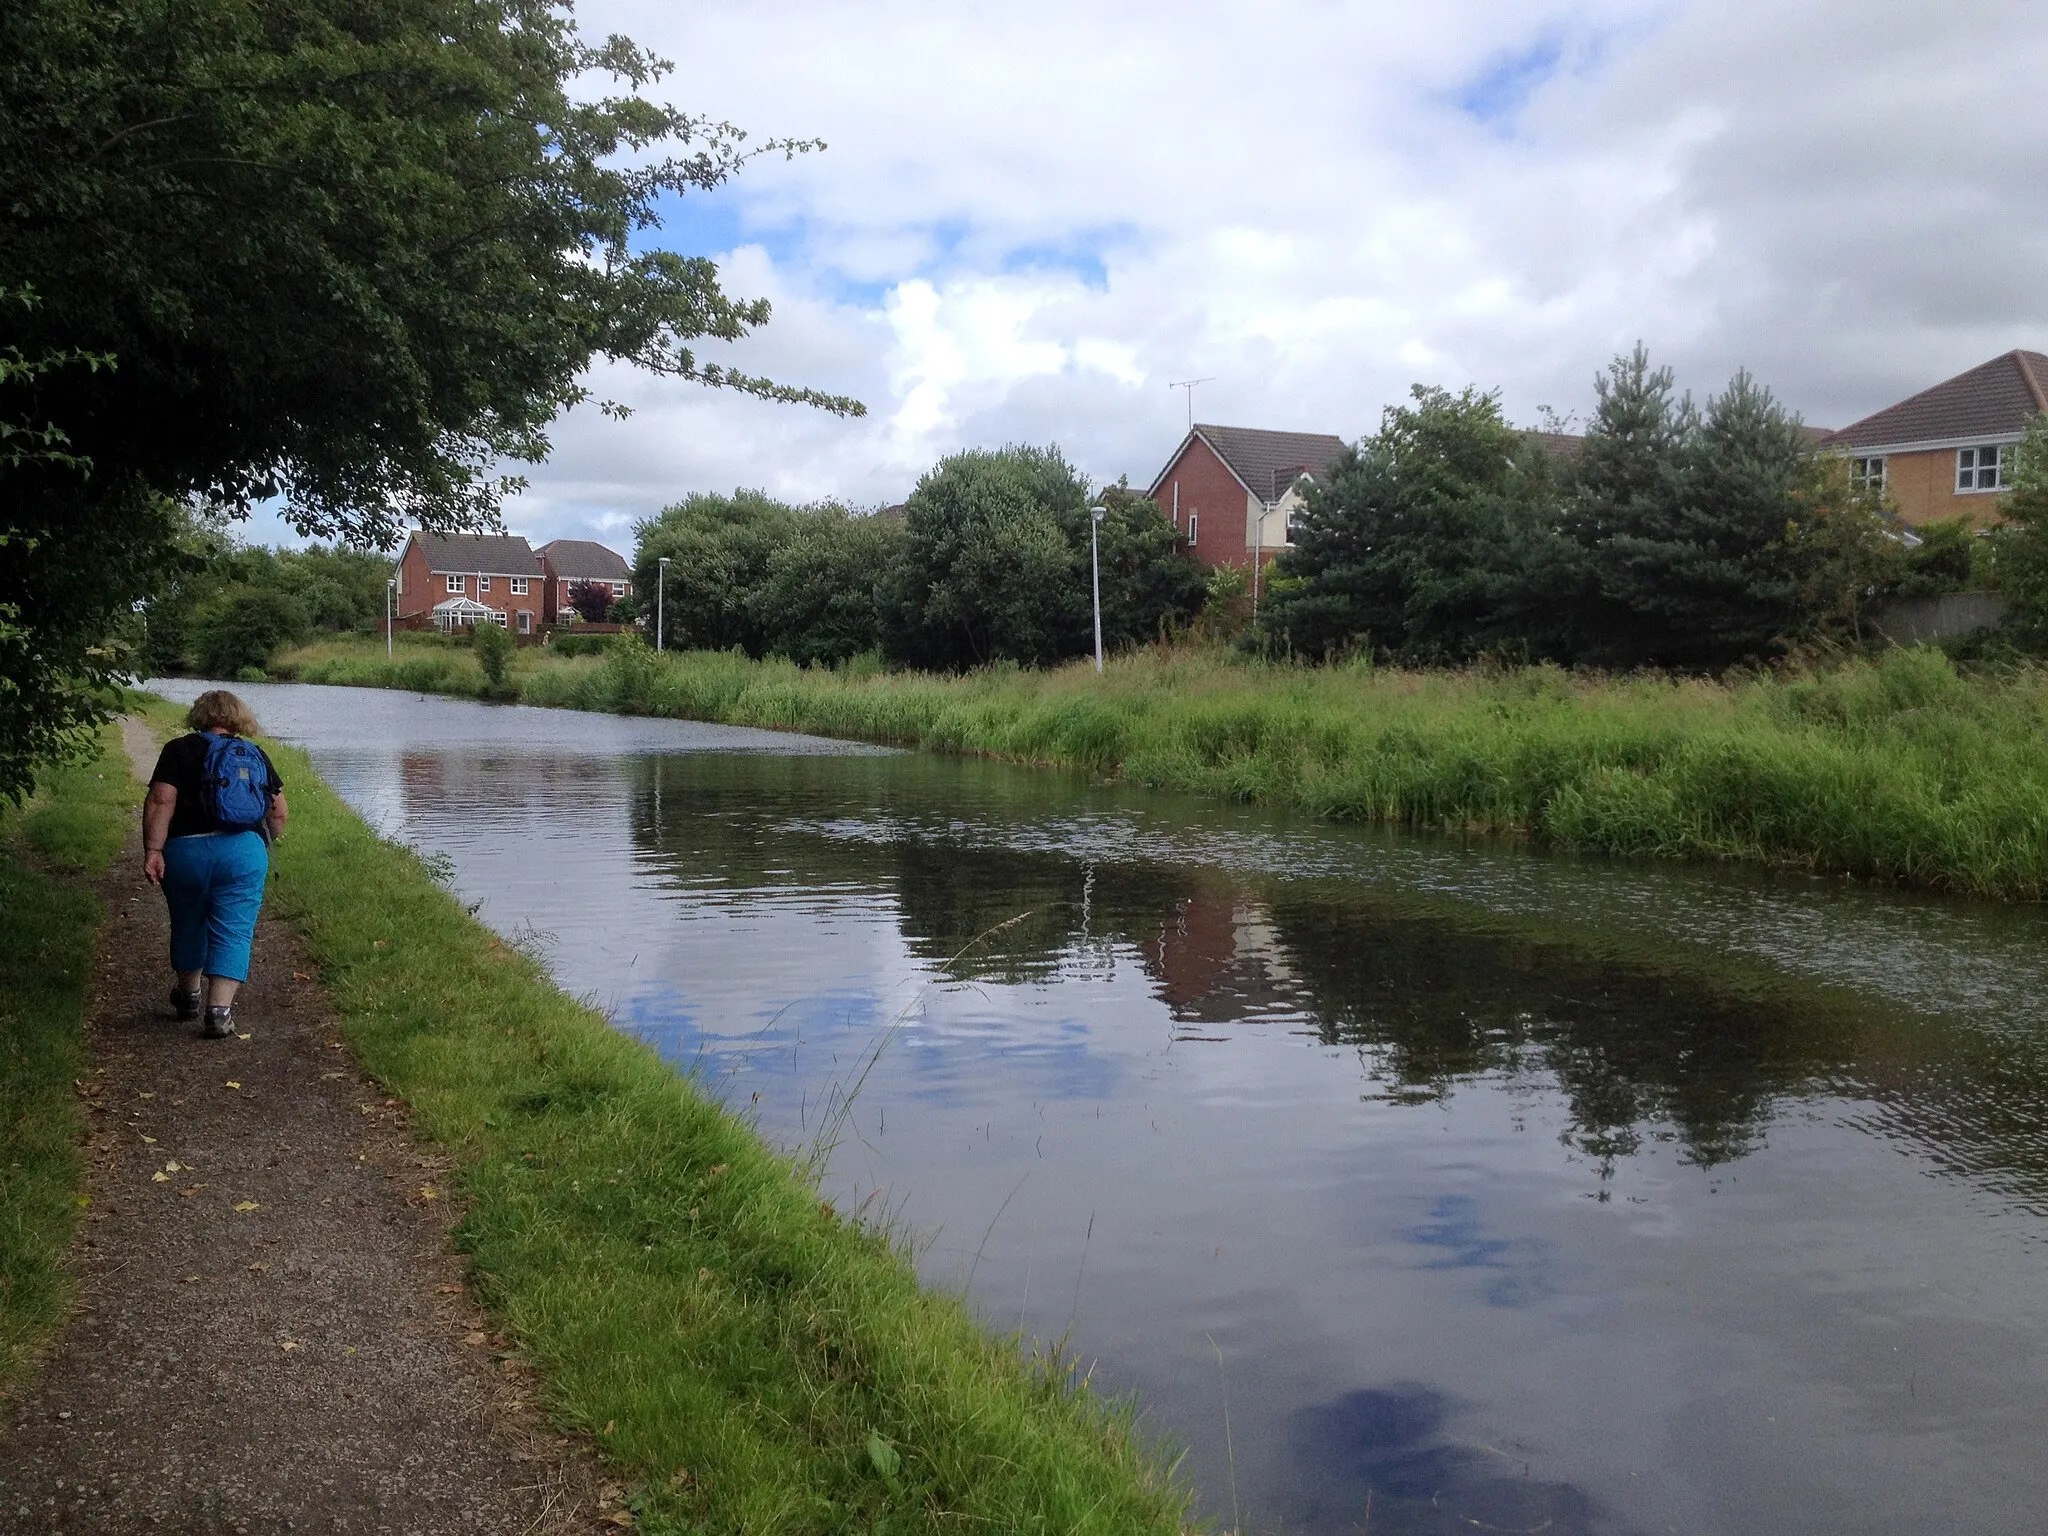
(1897, 769)
(761, 1363)
(66, 833)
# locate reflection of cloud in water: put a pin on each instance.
(1381, 1459)
(1514, 1262)
(950, 1068)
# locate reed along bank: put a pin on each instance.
(1902, 768)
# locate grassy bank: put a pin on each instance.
(1897, 769)
(756, 1361)
(50, 848)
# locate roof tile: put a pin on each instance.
(484, 554)
(1991, 400)
(1269, 462)
(584, 560)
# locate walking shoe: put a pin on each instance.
(186, 1003)
(220, 1023)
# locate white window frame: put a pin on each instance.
(458, 583)
(1971, 469)
(1870, 472)
(618, 589)
(525, 619)
(483, 584)
(519, 585)
(1192, 517)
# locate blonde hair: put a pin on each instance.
(217, 709)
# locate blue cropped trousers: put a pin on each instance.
(214, 885)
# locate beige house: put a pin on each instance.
(1947, 451)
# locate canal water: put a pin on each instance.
(1413, 1185)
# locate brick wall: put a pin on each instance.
(1208, 492)
(1923, 487)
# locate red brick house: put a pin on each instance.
(455, 580)
(1947, 451)
(570, 562)
(1232, 491)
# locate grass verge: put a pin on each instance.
(1900, 769)
(50, 846)
(760, 1363)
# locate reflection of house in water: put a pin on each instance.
(496, 785)
(1218, 959)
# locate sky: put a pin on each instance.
(1031, 221)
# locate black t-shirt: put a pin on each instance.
(182, 765)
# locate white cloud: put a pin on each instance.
(1031, 219)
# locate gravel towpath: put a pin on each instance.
(272, 1332)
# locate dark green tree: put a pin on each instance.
(990, 570)
(1151, 590)
(718, 548)
(1426, 539)
(1689, 523)
(818, 601)
(2022, 541)
(356, 254)
(243, 626)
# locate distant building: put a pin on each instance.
(1232, 491)
(568, 563)
(1947, 451)
(457, 580)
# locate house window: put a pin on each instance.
(1981, 469)
(618, 589)
(525, 619)
(458, 583)
(483, 583)
(1191, 527)
(1868, 474)
(519, 585)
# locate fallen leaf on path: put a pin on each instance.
(428, 1192)
(160, 1177)
(475, 1336)
(191, 1279)
(449, 1290)
(378, 944)
(233, 1084)
(83, 1201)
(174, 1166)
(248, 1205)
(150, 1139)
(259, 1268)
(193, 1190)
(288, 1345)
(241, 1036)
(145, 1095)
(300, 976)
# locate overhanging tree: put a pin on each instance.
(353, 254)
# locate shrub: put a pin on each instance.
(493, 653)
(242, 627)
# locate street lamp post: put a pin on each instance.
(1095, 515)
(390, 594)
(660, 600)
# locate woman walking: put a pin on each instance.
(214, 804)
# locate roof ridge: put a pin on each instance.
(2019, 357)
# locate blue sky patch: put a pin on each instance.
(1453, 1230)
(1498, 94)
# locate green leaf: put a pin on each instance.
(885, 1458)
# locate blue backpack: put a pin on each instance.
(236, 784)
